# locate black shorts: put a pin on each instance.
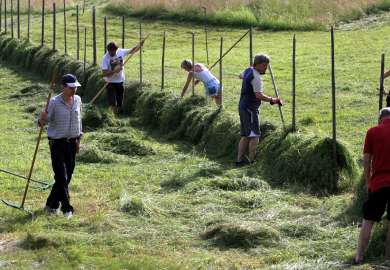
(115, 94)
(376, 204)
(249, 121)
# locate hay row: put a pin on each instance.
(285, 158)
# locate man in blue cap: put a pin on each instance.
(64, 132)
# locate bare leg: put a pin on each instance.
(242, 148)
(364, 239)
(387, 254)
(252, 148)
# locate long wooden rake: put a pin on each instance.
(277, 94)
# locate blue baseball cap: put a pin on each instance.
(70, 80)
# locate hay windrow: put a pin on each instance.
(92, 154)
(294, 158)
(236, 184)
(122, 144)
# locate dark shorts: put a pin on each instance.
(249, 121)
(115, 94)
(376, 204)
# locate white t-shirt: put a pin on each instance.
(257, 82)
(109, 63)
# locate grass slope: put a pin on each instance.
(146, 211)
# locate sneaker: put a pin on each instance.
(49, 210)
(68, 215)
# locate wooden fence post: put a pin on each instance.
(250, 46)
(140, 57)
(123, 31)
(206, 35)
(5, 16)
(65, 37)
(94, 34)
(12, 18)
(381, 82)
(163, 63)
(294, 126)
(85, 47)
(1, 11)
(18, 17)
(43, 23)
(77, 33)
(221, 73)
(54, 25)
(105, 34)
(193, 62)
(28, 20)
(334, 106)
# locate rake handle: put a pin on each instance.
(38, 141)
(277, 94)
(23, 177)
(105, 85)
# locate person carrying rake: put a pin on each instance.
(114, 74)
(64, 132)
(202, 74)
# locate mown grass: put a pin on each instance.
(143, 212)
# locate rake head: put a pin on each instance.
(16, 206)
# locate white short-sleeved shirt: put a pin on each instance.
(257, 82)
(109, 63)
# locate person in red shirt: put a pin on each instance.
(377, 176)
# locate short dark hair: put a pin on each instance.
(261, 59)
(112, 46)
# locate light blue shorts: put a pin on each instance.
(212, 88)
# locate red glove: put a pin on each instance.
(274, 101)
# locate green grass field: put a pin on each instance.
(150, 211)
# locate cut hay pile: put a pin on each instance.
(306, 160)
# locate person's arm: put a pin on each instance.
(46, 115)
(367, 159)
(189, 79)
(257, 85)
(106, 68)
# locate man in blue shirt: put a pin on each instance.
(252, 93)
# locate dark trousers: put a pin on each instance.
(115, 94)
(63, 154)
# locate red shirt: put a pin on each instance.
(377, 144)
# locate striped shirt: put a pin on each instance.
(64, 121)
